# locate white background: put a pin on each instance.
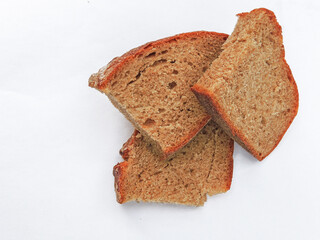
(59, 139)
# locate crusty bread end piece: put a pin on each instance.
(151, 84)
(249, 90)
(204, 166)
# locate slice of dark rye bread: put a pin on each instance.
(204, 166)
(249, 90)
(151, 84)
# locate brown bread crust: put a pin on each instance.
(124, 151)
(120, 170)
(210, 102)
(119, 173)
(100, 80)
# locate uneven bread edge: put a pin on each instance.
(119, 172)
(100, 79)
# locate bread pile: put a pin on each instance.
(189, 96)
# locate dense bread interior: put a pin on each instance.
(153, 88)
(204, 166)
(251, 83)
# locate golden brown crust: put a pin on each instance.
(100, 80)
(125, 150)
(207, 98)
(119, 172)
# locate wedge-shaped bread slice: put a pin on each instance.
(151, 84)
(249, 90)
(204, 166)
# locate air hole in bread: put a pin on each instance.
(149, 122)
(130, 82)
(151, 55)
(204, 69)
(156, 63)
(192, 39)
(172, 85)
(175, 72)
(161, 110)
(164, 52)
(173, 61)
(172, 40)
(138, 75)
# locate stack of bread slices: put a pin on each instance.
(189, 96)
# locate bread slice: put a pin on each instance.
(151, 84)
(204, 166)
(249, 90)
